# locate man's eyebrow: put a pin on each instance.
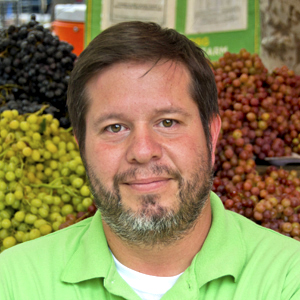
(108, 116)
(172, 110)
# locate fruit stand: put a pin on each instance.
(260, 135)
(43, 185)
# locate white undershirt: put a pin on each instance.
(146, 286)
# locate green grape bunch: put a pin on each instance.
(43, 183)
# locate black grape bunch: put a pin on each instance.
(34, 70)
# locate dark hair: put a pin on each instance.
(139, 41)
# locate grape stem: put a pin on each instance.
(52, 186)
(82, 217)
(296, 208)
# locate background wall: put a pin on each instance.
(280, 33)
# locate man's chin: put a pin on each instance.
(150, 206)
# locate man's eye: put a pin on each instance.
(167, 123)
(115, 128)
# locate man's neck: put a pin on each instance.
(162, 260)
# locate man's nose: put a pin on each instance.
(144, 146)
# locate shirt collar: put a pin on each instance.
(224, 250)
(92, 258)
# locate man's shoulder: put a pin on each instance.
(50, 245)
(228, 225)
(261, 237)
(44, 267)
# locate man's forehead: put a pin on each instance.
(137, 80)
(151, 66)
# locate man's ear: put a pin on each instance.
(215, 127)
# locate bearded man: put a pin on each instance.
(143, 104)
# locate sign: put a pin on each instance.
(217, 26)
(158, 11)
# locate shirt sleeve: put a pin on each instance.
(5, 280)
(291, 289)
(296, 296)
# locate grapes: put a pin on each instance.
(87, 202)
(42, 180)
(45, 229)
(9, 242)
(34, 70)
(271, 199)
(263, 107)
(66, 209)
(77, 183)
(260, 113)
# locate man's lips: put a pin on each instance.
(148, 184)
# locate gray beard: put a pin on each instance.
(153, 224)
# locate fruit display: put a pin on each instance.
(260, 107)
(43, 184)
(260, 119)
(34, 70)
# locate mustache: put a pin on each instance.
(132, 174)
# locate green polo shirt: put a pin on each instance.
(238, 261)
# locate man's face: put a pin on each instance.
(145, 151)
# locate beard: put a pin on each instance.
(153, 224)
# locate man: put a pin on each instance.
(143, 104)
